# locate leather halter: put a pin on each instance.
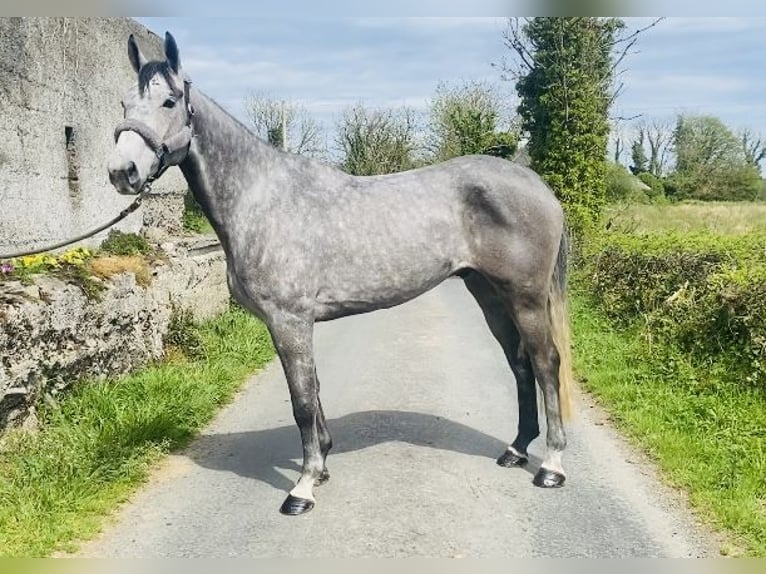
(169, 152)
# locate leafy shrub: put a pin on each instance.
(471, 118)
(655, 184)
(183, 335)
(621, 185)
(119, 243)
(706, 293)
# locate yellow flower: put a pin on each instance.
(32, 260)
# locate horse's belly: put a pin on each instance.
(350, 294)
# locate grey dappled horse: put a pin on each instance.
(306, 242)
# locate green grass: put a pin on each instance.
(193, 219)
(720, 217)
(97, 446)
(119, 243)
(707, 434)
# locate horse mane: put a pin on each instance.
(239, 123)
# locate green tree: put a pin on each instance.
(376, 141)
(753, 148)
(711, 162)
(638, 155)
(565, 77)
(658, 136)
(470, 119)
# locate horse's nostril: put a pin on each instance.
(132, 172)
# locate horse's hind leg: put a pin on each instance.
(503, 328)
(530, 312)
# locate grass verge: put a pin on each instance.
(707, 433)
(97, 446)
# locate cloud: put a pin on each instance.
(665, 84)
(686, 26)
(432, 24)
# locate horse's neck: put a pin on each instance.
(225, 161)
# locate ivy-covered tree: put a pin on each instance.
(565, 76)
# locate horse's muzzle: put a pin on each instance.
(125, 178)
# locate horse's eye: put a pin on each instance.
(170, 102)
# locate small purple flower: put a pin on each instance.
(6, 268)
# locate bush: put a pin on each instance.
(472, 118)
(183, 335)
(621, 185)
(376, 141)
(655, 184)
(119, 243)
(705, 293)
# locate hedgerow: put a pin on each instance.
(704, 294)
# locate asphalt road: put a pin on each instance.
(420, 403)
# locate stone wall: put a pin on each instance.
(61, 81)
(51, 334)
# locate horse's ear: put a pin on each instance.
(135, 56)
(171, 52)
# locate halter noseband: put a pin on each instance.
(169, 152)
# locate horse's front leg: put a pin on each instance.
(293, 340)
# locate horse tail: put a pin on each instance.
(558, 308)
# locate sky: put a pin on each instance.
(711, 66)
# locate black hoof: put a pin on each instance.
(293, 506)
(548, 479)
(324, 477)
(510, 458)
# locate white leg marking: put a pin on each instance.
(553, 461)
(515, 452)
(304, 489)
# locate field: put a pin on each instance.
(727, 218)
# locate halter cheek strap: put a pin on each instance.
(172, 150)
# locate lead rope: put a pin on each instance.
(122, 215)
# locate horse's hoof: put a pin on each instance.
(548, 479)
(324, 477)
(293, 506)
(510, 458)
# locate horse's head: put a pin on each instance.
(156, 132)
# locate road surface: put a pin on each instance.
(420, 403)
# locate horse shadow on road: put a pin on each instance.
(261, 454)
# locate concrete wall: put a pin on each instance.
(61, 81)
